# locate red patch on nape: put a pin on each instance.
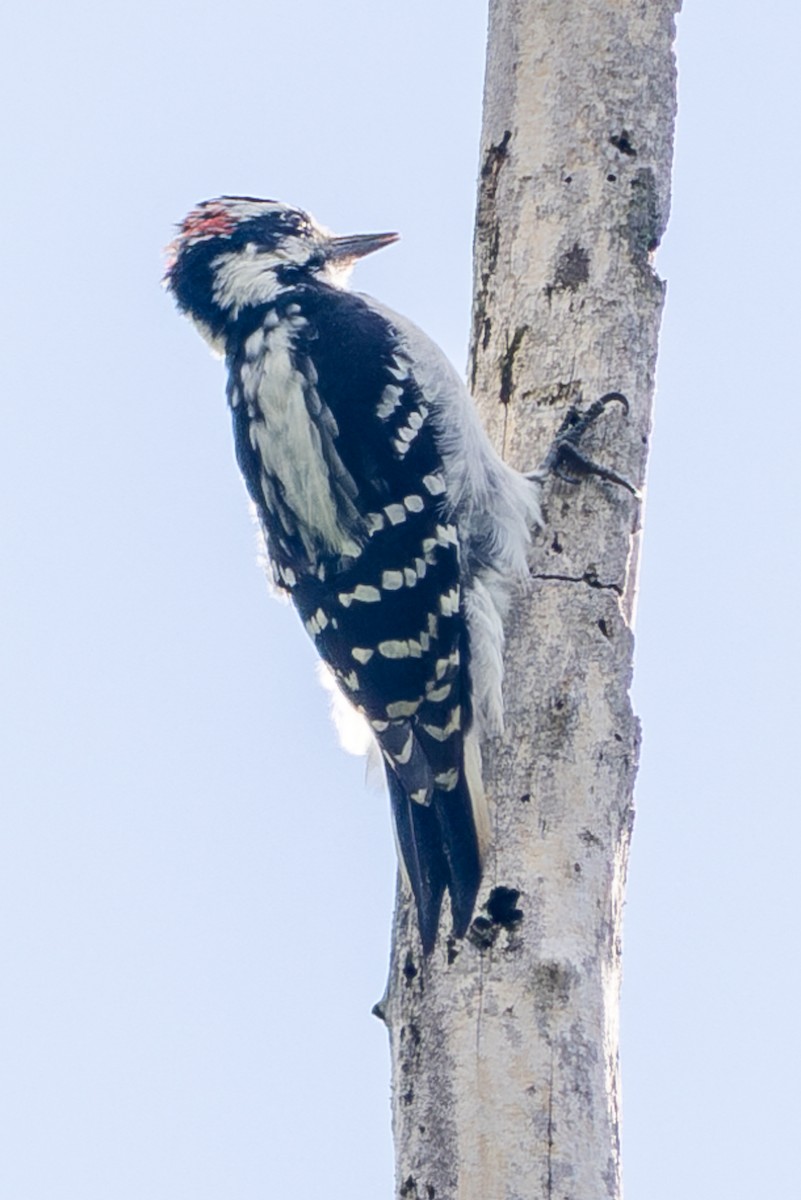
(210, 221)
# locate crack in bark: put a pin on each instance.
(550, 1131)
(588, 578)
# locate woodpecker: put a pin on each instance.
(387, 515)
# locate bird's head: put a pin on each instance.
(237, 251)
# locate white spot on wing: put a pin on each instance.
(449, 603)
(434, 484)
(364, 592)
(447, 534)
(403, 756)
(396, 513)
(390, 399)
(403, 708)
(394, 649)
(441, 733)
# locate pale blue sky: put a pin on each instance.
(176, 816)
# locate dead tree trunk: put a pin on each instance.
(505, 1046)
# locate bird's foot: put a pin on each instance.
(566, 460)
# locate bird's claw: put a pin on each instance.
(564, 452)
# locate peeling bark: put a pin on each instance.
(505, 1045)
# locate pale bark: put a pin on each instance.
(505, 1046)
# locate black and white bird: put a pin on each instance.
(388, 517)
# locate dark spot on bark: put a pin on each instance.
(508, 363)
(482, 933)
(577, 868)
(409, 969)
(644, 223)
(502, 913)
(617, 737)
(589, 838)
(452, 947)
(558, 719)
(561, 396)
(487, 241)
(572, 269)
(568, 178)
(485, 333)
(621, 142)
(556, 545)
(553, 983)
(604, 628)
(611, 179)
(431, 1191)
(494, 158)
(480, 320)
(525, 798)
(408, 1097)
(502, 909)
(409, 1188)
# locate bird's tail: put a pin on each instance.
(441, 845)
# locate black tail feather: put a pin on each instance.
(439, 846)
(459, 841)
(420, 845)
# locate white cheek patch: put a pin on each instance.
(243, 280)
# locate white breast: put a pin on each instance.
(289, 443)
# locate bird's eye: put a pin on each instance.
(299, 226)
